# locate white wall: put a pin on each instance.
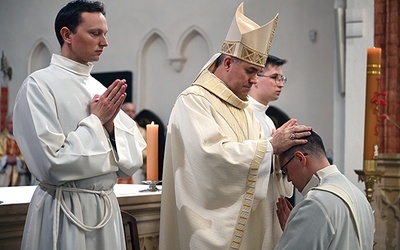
(310, 69)
(310, 94)
(356, 65)
(307, 95)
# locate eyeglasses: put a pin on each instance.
(276, 77)
(284, 165)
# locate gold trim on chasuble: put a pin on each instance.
(232, 110)
(249, 195)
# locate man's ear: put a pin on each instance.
(66, 34)
(227, 62)
(300, 156)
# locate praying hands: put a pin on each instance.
(107, 105)
(283, 210)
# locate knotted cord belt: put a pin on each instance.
(60, 203)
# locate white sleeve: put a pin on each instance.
(264, 172)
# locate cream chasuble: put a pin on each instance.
(216, 172)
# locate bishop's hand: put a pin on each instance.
(289, 135)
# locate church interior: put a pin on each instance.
(160, 46)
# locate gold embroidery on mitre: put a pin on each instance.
(249, 41)
(272, 34)
(228, 48)
(245, 53)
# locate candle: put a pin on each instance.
(152, 152)
(371, 109)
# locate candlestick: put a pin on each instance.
(152, 152)
(370, 178)
(371, 109)
(152, 186)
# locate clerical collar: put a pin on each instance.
(71, 65)
(316, 178)
(257, 105)
(313, 182)
(213, 84)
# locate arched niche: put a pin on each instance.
(164, 73)
(40, 57)
(153, 70)
(194, 46)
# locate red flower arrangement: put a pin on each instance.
(386, 117)
(379, 100)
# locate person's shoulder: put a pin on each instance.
(44, 74)
(326, 199)
(341, 181)
(193, 90)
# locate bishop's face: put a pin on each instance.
(241, 76)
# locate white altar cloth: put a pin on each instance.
(23, 194)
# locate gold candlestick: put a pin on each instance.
(370, 178)
(370, 173)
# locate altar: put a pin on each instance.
(144, 206)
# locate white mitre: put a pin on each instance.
(246, 40)
(249, 41)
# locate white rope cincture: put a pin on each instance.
(60, 203)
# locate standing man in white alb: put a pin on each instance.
(268, 88)
(75, 140)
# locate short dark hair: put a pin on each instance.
(275, 61)
(314, 146)
(70, 15)
(219, 60)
